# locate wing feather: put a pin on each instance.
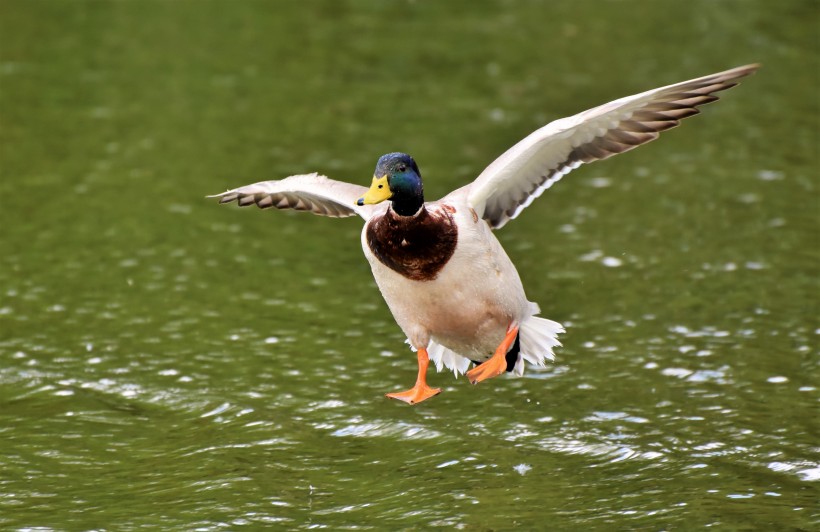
(533, 165)
(310, 192)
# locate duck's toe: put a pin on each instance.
(416, 394)
(493, 367)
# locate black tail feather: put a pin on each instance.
(512, 354)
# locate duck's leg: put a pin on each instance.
(497, 364)
(420, 391)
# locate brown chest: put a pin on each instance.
(416, 247)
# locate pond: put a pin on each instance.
(168, 363)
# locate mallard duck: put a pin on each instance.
(445, 277)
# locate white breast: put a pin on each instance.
(471, 302)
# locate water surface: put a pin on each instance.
(168, 363)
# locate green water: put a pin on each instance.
(166, 363)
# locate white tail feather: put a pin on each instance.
(538, 337)
(443, 357)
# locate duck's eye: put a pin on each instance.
(402, 168)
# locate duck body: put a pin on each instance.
(464, 303)
(447, 280)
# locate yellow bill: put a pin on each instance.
(379, 191)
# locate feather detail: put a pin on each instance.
(538, 338)
(526, 170)
(309, 192)
(443, 357)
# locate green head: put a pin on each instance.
(396, 178)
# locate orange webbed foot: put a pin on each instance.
(497, 364)
(414, 395)
(420, 391)
(493, 367)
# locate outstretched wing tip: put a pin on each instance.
(219, 196)
(750, 68)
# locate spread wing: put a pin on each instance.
(530, 167)
(309, 192)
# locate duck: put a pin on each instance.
(451, 287)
